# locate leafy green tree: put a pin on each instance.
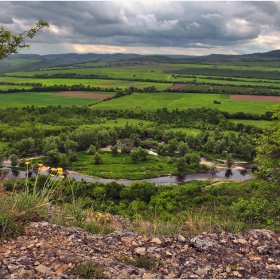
(63, 160)
(14, 160)
(162, 148)
(114, 150)
(172, 145)
(53, 157)
(183, 148)
(26, 145)
(134, 155)
(70, 145)
(12, 43)
(73, 157)
(91, 150)
(50, 144)
(268, 151)
(229, 160)
(97, 159)
(181, 164)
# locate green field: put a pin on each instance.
(257, 123)
(101, 83)
(121, 166)
(171, 101)
(41, 99)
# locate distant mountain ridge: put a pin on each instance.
(31, 62)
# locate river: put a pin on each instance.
(164, 180)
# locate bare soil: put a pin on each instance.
(255, 97)
(177, 86)
(82, 94)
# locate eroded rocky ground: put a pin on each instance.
(52, 251)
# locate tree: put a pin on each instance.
(91, 150)
(114, 150)
(14, 160)
(181, 164)
(183, 148)
(97, 159)
(53, 157)
(268, 151)
(229, 160)
(12, 43)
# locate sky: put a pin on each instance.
(147, 27)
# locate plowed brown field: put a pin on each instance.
(82, 94)
(255, 97)
(177, 86)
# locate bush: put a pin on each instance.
(89, 270)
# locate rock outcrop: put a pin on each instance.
(52, 251)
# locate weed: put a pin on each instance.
(89, 270)
(144, 261)
(147, 262)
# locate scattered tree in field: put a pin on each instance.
(12, 43)
(97, 159)
(139, 154)
(114, 150)
(183, 148)
(63, 161)
(73, 157)
(181, 164)
(91, 150)
(53, 157)
(14, 160)
(70, 146)
(229, 160)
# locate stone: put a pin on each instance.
(181, 238)
(42, 269)
(156, 241)
(140, 250)
(242, 241)
(149, 276)
(202, 272)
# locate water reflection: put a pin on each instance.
(164, 180)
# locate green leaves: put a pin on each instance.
(12, 43)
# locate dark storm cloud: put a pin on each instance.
(152, 24)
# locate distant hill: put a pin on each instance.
(31, 62)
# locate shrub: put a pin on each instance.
(89, 270)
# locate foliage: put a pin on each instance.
(97, 159)
(12, 43)
(89, 270)
(14, 160)
(144, 261)
(268, 151)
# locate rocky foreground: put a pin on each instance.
(52, 251)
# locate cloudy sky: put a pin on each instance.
(147, 27)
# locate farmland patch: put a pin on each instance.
(255, 98)
(177, 86)
(82, 94)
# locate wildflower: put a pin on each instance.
(40, 164)
(62, 176)
(52, 175)
(27, 162)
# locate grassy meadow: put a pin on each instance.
(41, 99)
(171, 101)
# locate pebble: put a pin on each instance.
(45, 252)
